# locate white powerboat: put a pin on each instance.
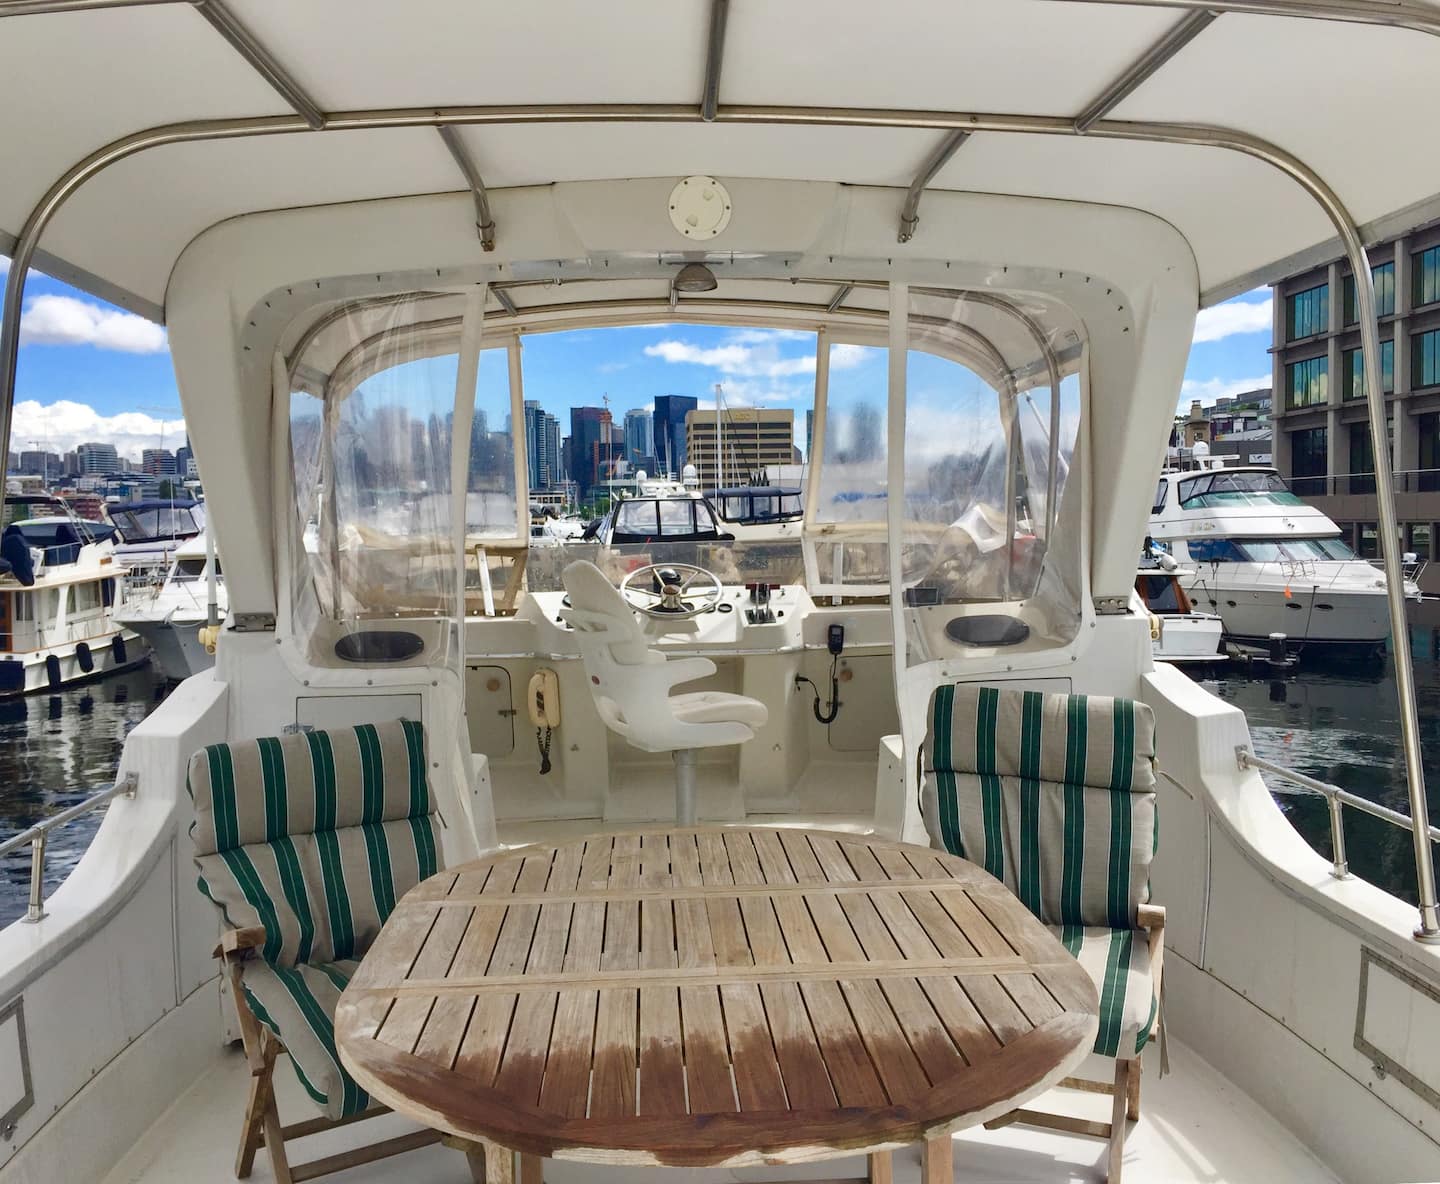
(150, 531)
(1180, 634)
(169, 617)
(1267, 562)
(347, 292)
(59, 584)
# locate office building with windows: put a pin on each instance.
(739, 447)
(98, 460)
(1322, 437)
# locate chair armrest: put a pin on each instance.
(1151, 918)
(683, 670)
(235, 942)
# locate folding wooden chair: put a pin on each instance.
(1054, 795)
(304, 843)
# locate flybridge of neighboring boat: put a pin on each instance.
(970, 242)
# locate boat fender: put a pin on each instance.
(1155, 627)
(209, 635)
(84, 657)
(118, 650)
(52, 670)
(12, 677)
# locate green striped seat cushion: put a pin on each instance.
(297, 1003)
(314, 836)
(1054, 795)
(1118, 960)
(255, 791)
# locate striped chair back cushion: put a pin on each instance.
(1054, 795)
(314, 836)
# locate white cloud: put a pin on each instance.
(64, 320)
(765, 336)
(756, 353)
(1209, 389)
(1231, 318)
(60, 426)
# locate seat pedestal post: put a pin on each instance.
(685, 763)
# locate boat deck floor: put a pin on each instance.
(1195, 1126)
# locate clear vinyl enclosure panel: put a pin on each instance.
(383, 416)
(990, 517)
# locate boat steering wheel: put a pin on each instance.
(671, 591)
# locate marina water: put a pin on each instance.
(1336, 721)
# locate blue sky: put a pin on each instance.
(89, 371)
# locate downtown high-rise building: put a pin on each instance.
(639, 435)
(98, 460)
(542, 447)
(594, 444)
(669, 429)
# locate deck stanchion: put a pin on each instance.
(1341, 870)
(36, 911)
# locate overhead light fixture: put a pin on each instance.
(695, 277)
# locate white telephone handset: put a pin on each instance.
(543, 701)
(544, 698)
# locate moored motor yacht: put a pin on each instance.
(333, 275)
(59, 586)
(170, 616)
(1267, 562)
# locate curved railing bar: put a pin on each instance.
(1173, 133)
(1396, 14)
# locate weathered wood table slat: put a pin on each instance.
(714, 996)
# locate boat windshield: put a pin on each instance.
(759, 506)
(147, 523)
(1269, 550)
(1235, 489)
(1161, 593)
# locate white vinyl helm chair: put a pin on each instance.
(631, 684)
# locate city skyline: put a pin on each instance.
(90, 372)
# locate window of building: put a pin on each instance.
(1425, 359)
(1362, 459)
(1308, 382)
(1369, 541)
(1383, 276)
(1308, 461)
(1307, 313)
(1417, 539)
(1353, 370)
(1427, 429)
(1425, 277)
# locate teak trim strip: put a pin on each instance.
(693, 892)
(707, 976)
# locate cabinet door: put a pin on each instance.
(490, 708)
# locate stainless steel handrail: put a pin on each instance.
(38, 834)
(1335, 798)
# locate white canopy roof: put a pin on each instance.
(836, 90)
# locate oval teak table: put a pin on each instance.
(720, 996)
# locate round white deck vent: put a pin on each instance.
(700, 207)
